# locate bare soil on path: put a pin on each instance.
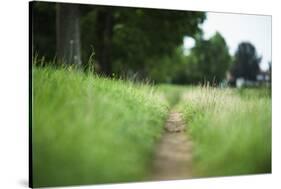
(173, 155)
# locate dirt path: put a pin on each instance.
(173, 156)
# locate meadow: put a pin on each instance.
(230, 128)
(88, 129)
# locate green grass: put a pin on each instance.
(172, 92)
(231, 130)
(87, 129)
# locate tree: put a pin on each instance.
(125, 39)
(68, 33)
(144, 34)
(246, 63)
(44, 29)
(104, 27)
(168, 68)
(270, 71)
(209, 60)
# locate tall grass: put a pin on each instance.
(231, 130)
(88, 129)
(172, 93)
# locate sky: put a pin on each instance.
(237, 28)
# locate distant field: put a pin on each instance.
(89, 130)
(172, 93)
(231, 130)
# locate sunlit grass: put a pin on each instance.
(87, 129)
(231, 130)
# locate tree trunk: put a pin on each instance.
(104, 27)
(68, 33)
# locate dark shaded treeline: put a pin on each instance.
(115, 34)
(134, 42)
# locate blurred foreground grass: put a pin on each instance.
(231, 130)
(89, 130)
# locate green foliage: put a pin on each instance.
(130, 42)
(169, 68)
(172, 92)
(231, 131)
(143, 34)
(44, 29)
(87, 35)
(139, 36)
(87, 129)
(209, 60)
(249, 93)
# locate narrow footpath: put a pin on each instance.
(173, 155)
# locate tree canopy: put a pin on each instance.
(134, 35)
(246, 62)
(209, 59)
(138, 41)
(122, 39)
